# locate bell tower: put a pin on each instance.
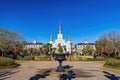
(51, 39)
(60, 37)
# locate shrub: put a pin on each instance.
(43, 58)
(118, 58)
(70, 58)
(77, 58)
(7, 62)
(26, 58)
(97, 59)
(80, 58)
(60, 50)
(85, 58)
(113, 62)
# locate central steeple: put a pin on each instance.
(60, 37)
(51, 39)
(60, 41)
(60, 29)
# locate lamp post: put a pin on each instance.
(71, 48)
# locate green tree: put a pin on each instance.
(8, 40)
(46, 49)
(60, 49)
(49, 48)
(88, 50)
(111, 41)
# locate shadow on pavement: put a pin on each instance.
(43, 75)
(111, 76)
(5, 74)
(69, 73)
(74, 73)
(68, 76)
(67, 67)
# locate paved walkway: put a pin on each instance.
(34, 70)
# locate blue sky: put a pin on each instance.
(82, 19)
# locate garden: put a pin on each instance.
(12, 47)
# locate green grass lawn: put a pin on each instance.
(10, 66)
(112, 67)
(7, 63)
(112, 63)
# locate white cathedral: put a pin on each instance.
(61, 42)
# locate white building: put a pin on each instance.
(60, 41)
(79, 47)
(34, 44)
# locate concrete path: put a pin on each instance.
(34, 70)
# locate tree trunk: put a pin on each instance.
(2, 54)
(118, 54)
(115, 54)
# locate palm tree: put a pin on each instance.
(41, 51)
(30, 50)
(88, 50)
(44, 49)
(47, 48)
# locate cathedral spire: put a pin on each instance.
(68, 37)
(51, 39)
(60, 29)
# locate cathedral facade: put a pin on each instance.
(61, 42)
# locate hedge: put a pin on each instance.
(7, 62)
(43, 58)
(113, 62)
